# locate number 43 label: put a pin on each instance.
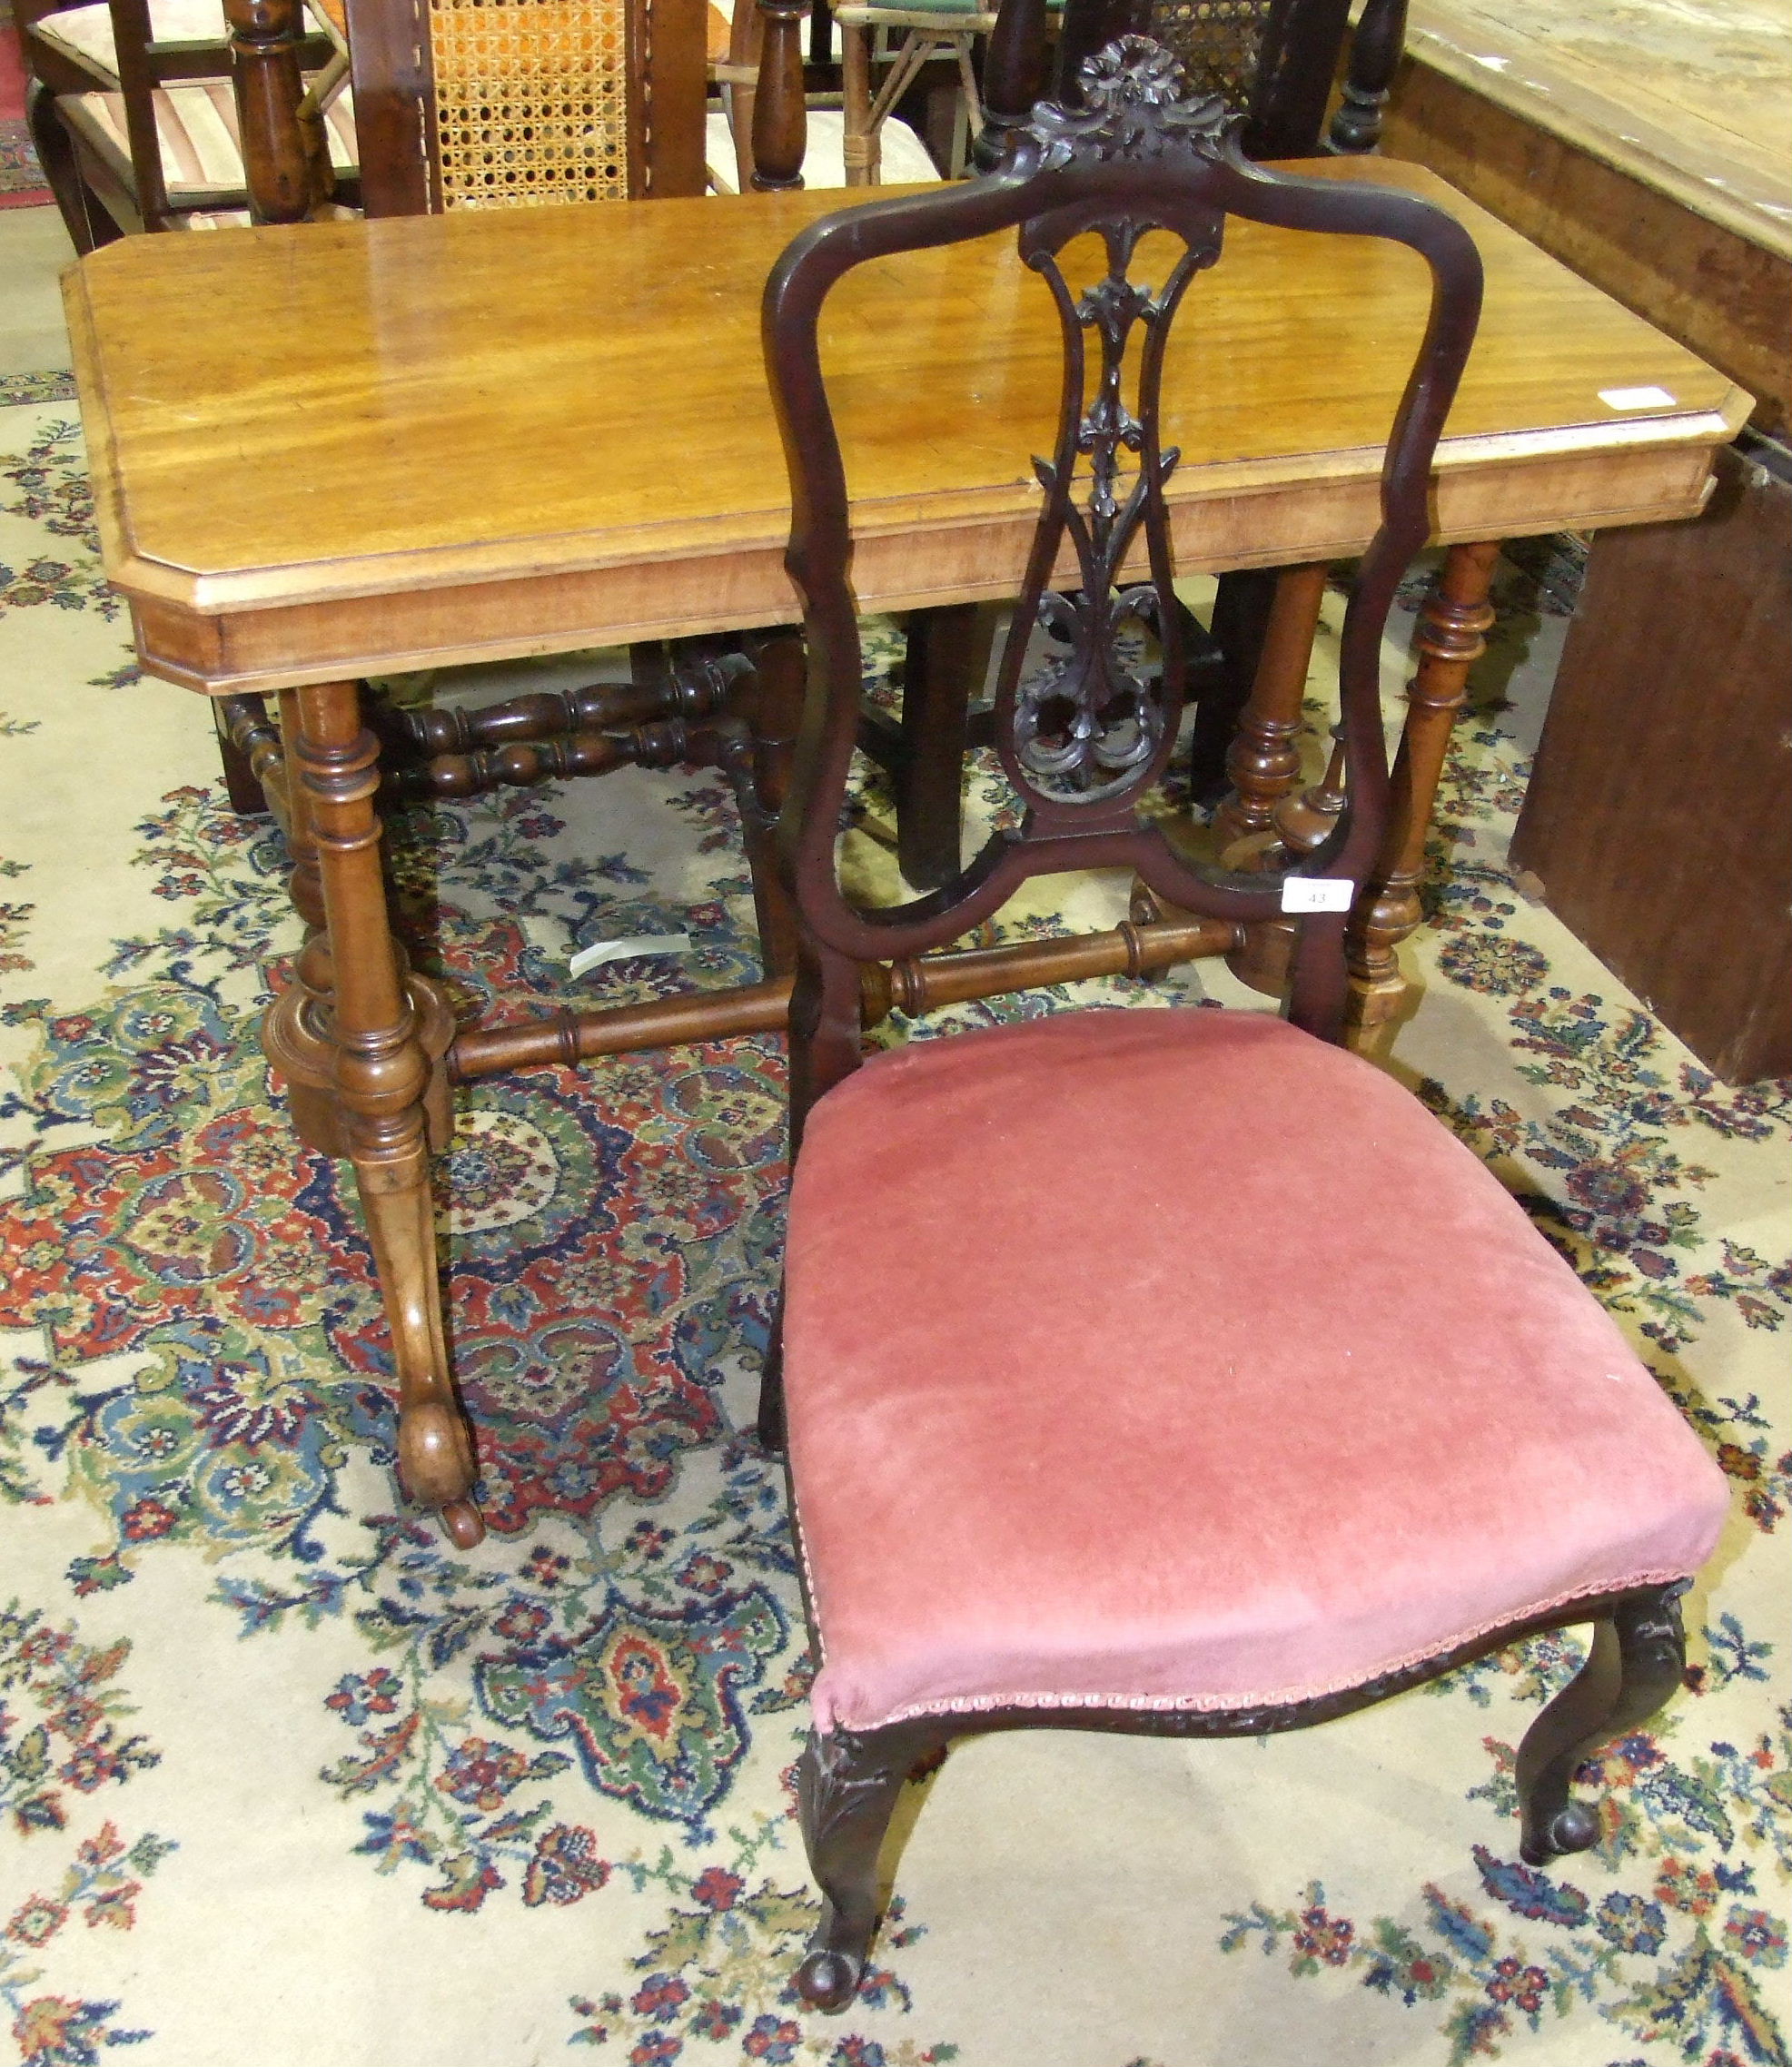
(1318, 894)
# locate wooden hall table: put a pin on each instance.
(340, 450)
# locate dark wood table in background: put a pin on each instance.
(1659, 166)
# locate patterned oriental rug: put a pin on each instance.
(21, 176)
(287, 1780)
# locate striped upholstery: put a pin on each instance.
(196, 125)
(84, 33)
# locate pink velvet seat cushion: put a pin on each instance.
(1178, 1359)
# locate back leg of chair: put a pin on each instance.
(770, 1426)
(87, 223)
(846, 1788)
(1634, 1664)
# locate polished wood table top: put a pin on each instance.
(343, 448)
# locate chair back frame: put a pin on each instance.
(1083, 750)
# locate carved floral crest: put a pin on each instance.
(1132, 111)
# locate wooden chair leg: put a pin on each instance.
(1266, 766)
(387, 1035)
(774, 711)
(265, 36)
(948, 661)
(857, 141)
(847, 1786)
(770, 1425)
(1450, 643)
(87, 223)
(1635, 1664)
(1014, 77)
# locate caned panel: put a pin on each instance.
(1219, 41)
(532, 101)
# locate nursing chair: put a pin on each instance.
(1028, 1494)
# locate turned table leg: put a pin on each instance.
(360, 1042)
(1264, 764)
(1449, 642)
(1263, 761)
(295, 1034)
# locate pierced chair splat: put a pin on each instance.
(1273, 63)
(1028, 1502)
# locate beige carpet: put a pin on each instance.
(287, 1782)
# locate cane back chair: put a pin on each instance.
(1033, 1497)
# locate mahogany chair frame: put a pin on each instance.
(1081, 751)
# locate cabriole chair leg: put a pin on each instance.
(846, 1787)
(1634, 1664)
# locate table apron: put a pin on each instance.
(231, 650)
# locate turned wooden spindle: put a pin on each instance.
(756, 749)
(1014, 77)
(249, 747)
(780, 118)
(295, 1029)
(1449, 642)
(387, 1035)
(601, 706)
(914, 986)
(266, 37)
(1375, 54)
(1263, 760)
(461, 775)
(1305, 820)
(861, 150)
(657, 720)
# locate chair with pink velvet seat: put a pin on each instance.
(1028, 1494)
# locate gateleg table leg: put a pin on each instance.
(383, 1034)
(1449, 642)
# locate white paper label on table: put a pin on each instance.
(602, 951)
(1318, 894)
(1636, 398)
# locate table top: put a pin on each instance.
(344, 448)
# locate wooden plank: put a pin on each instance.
(1690, 101)
(1725, 296)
